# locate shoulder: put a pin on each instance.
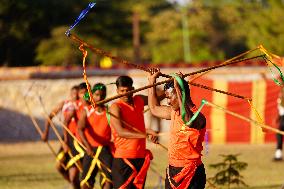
(114, 107)
(199, 123)
(138, 99)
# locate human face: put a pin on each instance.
(81, 94)
(122, 90)
(172, 99)
(98, 95)
(74, 94)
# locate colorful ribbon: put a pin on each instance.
(268, 58)
(80, 17)
(85, 53)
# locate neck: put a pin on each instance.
(128, 101)
(100, 108)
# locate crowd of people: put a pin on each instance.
(111, 141)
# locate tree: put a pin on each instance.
(229, 171)
(57, 50)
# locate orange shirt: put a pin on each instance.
(68, 107)
(97, 131)
(133, 115)
(185, 146)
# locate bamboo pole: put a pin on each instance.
(262, 125)
(234, 58)
(57, 133)
(37, 127)
(168, 80)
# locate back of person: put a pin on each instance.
(133, 115)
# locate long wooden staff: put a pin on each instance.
(234, 58)
(58, 134)
(262, 125)
(37, 127)
(168, 80)
(69, 132)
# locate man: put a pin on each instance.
(131, 159)
(64, 106)
(185, 169)
(95, 134)
(280, 121)
(71, 146)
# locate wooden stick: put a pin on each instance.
(57, 133)
(107, 54)
(234, 58)
(246, 119)
(220, 91)
(37, 127)
(70, 133)
(133, 128)
(168, 80)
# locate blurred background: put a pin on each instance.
(39, 61)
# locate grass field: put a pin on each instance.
(31, 165)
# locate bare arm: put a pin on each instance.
(154, 104)
(67, 118)
(81, 128)
(117, 125)
(160, 97)
(54, 112)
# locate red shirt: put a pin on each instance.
(68, 107)
(134, 116)
(185, 146)
(97, 131)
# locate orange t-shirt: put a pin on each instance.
(97, 131)
(68, 107)
(186, 145)
(133, 115)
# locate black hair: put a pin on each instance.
(101, 87)
(75, 87)
(124, 81)
(82, 86)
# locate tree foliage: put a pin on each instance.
(229, 171)
(32, 32)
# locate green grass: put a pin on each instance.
(31, 165)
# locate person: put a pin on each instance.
(131, 159)
(65, 107)
(280, 121)
(95, 133)
(71, 146)
(185, 169)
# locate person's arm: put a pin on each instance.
(67, 118)
(117, 125)
(54, 112)
(153, 103)
(81, 128)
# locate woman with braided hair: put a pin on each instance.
(185, 169)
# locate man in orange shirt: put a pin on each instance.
(71, 145)
(95, 133)
(65, 107)
(131, 159)
(185, 169)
